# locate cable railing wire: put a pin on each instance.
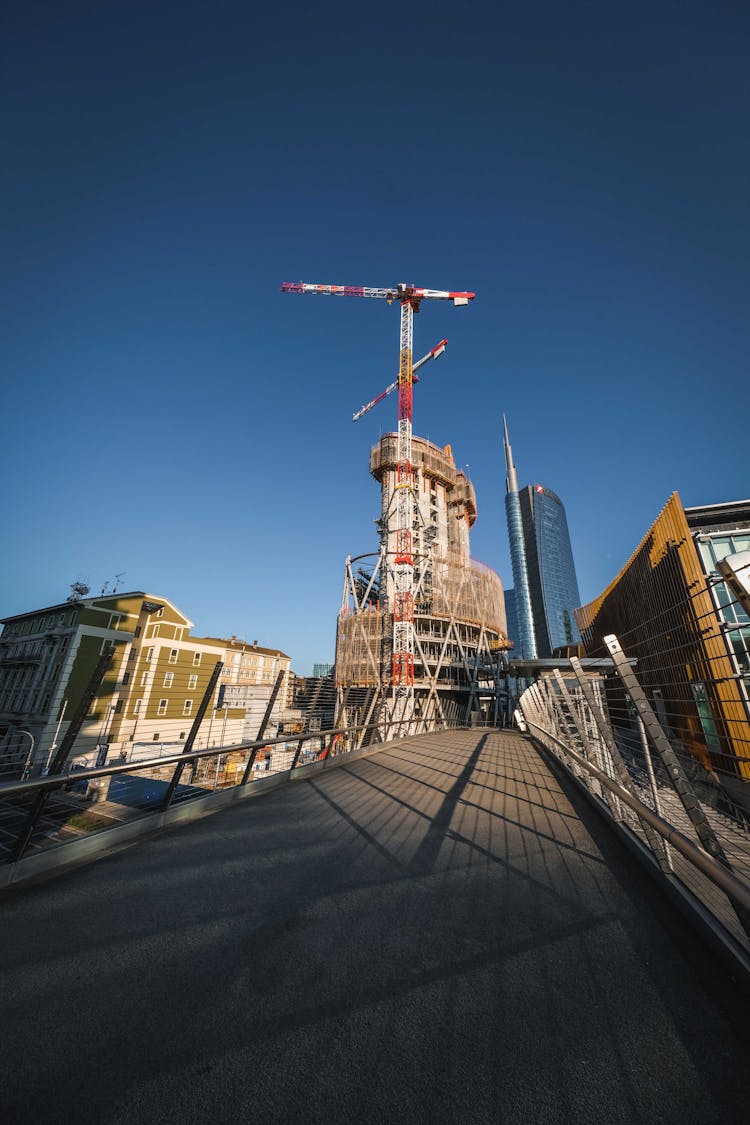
(82, 801)
(702, 590)
(653, 797)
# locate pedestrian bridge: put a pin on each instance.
(442, 931)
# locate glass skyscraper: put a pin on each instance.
(545, 588)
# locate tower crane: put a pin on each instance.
(410, 298)
(434, 353)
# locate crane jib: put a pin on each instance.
(396, 293)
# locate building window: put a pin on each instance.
(197, 657)
(192, 681)
(144, 679)
(168, 678)
(156, 737)
(160, 611)
(162, 707)
(187, 707)
(126, 677)
(174, 653)
(137, 630)
(149, 655)
(118, 707)
(137, 706)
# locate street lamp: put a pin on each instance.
(27, 767)
(53, 747)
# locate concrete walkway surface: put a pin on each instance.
(443, 932)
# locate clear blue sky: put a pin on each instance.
(169, 414)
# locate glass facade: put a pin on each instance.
(512, 620)
(691, 640)
(553, 585)
(523, 619)
(712, 548)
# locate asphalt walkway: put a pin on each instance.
(444, 932)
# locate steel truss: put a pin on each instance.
(458, 669)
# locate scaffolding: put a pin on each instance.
(456, 667)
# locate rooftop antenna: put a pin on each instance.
(78, 591)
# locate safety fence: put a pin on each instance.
(74, 800)
(692, 817)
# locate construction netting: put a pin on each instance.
(454, 589)
(466, 590)
(359, 646)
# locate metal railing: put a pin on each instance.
(50, 811)
(693, 821)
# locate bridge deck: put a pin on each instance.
(443, 932)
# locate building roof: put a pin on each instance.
(95, 600)
(244, 646)
(729, 514)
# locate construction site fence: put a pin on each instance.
(686, 815)
(37, 814)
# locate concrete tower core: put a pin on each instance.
(459, 613)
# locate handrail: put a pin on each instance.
(38, 789)
(735, 888)
(55, 781)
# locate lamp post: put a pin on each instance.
(53, 747)
(27, 767)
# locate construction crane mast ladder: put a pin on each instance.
(433, 353)
(410, 298)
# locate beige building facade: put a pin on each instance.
(150, 695)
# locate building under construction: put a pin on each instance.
(458, 606)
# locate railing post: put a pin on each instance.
(652, 783)
(266, 718)
(605, 731)
(578, 727)
(682, 785)
(250, 764)
(622, 774)
(63, 751)
(297, 753)
(193, 734)
(530, 704)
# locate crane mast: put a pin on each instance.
(433, 353)
(410, 298)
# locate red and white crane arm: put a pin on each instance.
(399, 292)
(435, 353)
(399, 537)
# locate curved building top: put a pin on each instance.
(433, 461)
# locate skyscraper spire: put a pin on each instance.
(511, 477)
(521, 593)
